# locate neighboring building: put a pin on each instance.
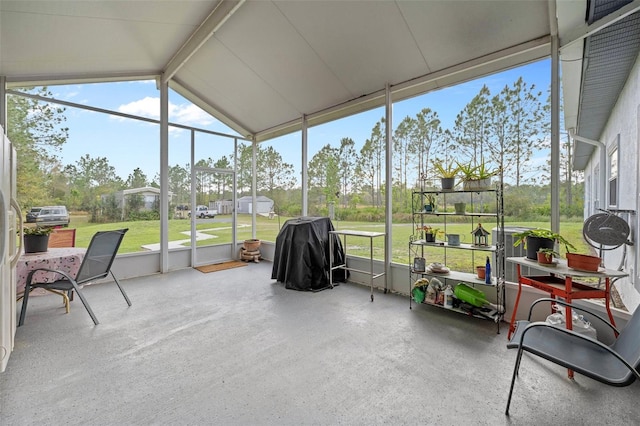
(264, 205)
(222, 206)
(150, 197)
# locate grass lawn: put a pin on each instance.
(148, 232)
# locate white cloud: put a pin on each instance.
(190, 114)
(149, 107)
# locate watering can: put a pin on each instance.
(453, 239)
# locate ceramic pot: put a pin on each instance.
(447, 183)
(583, 262)
(476, 184)
(481, 272)
(460, 207)
(36, 243)
(251, 245)
(544, 258)
(536, 243)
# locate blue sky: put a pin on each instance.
(129, 144)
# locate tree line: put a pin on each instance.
(502, 131)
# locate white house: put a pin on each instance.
(263, 204)
(150, 197)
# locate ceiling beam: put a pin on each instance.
(48, 80)
(223, 11)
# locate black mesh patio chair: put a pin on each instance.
(615, 365)
(95, 265)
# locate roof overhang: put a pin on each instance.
(598, 52)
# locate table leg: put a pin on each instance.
(515, 306)
(371, 265)
(568, 315)
(607, 299)
(331, 260)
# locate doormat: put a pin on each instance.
(221, 266)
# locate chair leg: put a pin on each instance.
(25, 300)
(85, 303)
(516, 368)
(121, 289)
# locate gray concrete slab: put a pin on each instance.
(235, 347)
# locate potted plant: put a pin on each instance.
(430, 205)
(537, 238)
(36, 239)
(430, 233)
(447, 173)
(545, 255)
(476, 178)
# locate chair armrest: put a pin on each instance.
(64, 274)
(577, 308)
(608, 349)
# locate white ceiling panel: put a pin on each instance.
(259, 66)
(450, 33)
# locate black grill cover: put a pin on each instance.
(301, 260)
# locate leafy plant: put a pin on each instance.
(431, 200)
(445, 170)
(37, 230)
(468, 171)
(479, 172)
(549, 252)
(482, 172)
(542, 233)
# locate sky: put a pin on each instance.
(129, 144)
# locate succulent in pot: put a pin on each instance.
(534, 239)
(546, 255)
(447, 172)
(476, 178)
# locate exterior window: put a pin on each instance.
(613, 175)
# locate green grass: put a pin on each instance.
(146, 232)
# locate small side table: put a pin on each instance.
(353, 233)
(559, 283)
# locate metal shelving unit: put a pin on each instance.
(420, 248)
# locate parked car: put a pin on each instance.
(53, 216)
(203, 211)
(32, 214)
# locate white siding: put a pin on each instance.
(623, 123)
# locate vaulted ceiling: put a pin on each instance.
(260, 66)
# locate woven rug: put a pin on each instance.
(221, 266)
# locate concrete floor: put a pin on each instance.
(235, 347)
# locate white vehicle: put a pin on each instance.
(202, 212)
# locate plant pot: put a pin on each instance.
(583, 262)
(476, 184)
(251, 245)
(428, 208)
(430, 238)
(544, 258)
(536, 243)
(481, 272)
(447, 183)
(36, 243)
(460, 207)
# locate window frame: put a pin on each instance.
(613, 173)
